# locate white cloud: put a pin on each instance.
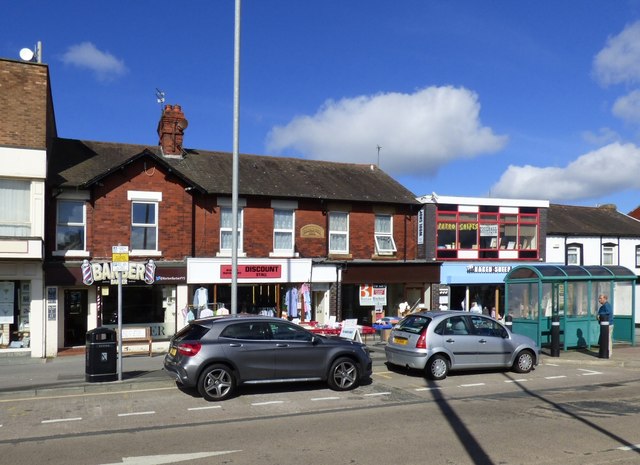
(103, 64)
(612, 168)
(619, 61)
(602, 137)
(627, 108)
(417, 132)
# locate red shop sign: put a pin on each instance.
(252, 271)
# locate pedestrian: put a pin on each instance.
(605, 313)
(475, 308)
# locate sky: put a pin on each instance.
(497, 98)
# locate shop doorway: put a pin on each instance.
(75, 317)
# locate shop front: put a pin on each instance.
(21, 304)
(481, 282)
(84, 295)
(372, 290)
(286, 288)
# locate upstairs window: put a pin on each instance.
(70, 226)
(15, 211)
(385, 245)
(283, 227)
(574, 255)
(609, 254)
(338, 232)
(144, 226)
(637, 256)
(226, 230)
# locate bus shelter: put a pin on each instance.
(534, 294)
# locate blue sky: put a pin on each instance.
(496, 98)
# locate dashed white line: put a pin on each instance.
(522, 380)
(205, 408)
(555, 377)
(60, 420)
(269, 403)
(473, 385)
(377, 394)
(633, 447)
(315, 399)
(131, 414)
(427, 388)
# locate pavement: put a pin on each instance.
(22, 376)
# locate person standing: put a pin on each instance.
(475, 308)
(606, 311)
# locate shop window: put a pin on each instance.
(338, 232)
(468, 231)
(283, 231)
(528, 237)
(226, 229)
(15, 208)
(609, 254)
(447, 226)
(574, 254)
(144, 226)
(385, 245)
(70, 227)
(508, 232)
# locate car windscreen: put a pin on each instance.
(413, 324)
(192, 332)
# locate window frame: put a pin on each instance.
(283, 231)
(16, 219)
(612, 248)
(229, 229)
(381, 235)
(70, 224)
(578, 253)
(333, 233)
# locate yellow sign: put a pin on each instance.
(120, 257)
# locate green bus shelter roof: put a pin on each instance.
(571, 272)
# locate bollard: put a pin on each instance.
(508, 322)
(555, 336)
(604, 337)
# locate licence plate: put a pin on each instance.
(172, 351)
(400, 340)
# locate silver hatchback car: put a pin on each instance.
(438, 342)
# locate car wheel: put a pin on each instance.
(437, 367)
(217, 383)
(343, 375)
(524, 362)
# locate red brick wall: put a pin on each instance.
(23, 122)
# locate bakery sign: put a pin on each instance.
(252, 271)
(489, 268)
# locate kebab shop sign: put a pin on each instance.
(252, 271)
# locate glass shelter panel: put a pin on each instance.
(623, 299)
(523, 300)
(577, 299)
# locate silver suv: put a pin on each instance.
(216, 355)
(438, 342)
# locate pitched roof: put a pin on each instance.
(590, 221)
(78, 163)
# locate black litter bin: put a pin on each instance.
(101, 354)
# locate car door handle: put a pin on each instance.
(482, 341)
(451, 340)
(236, 344)
(282, 345)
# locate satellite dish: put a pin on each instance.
(26, 54)
(182, 124)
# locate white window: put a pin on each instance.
(15, 211)
(70, 228)
(574, 255)
(385, 244)
(226, 229)
(609, 254)
(144, 225)
(338, 232)
(283, 227)
(637, 256)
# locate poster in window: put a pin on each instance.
(6, 302)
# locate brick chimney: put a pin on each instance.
(171, 130)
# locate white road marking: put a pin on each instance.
(634, 447)
(172, 458)
(589, 372)
(205, 408)
(427, 388)
(324, 398)
(472, 385)
(552, 364)
(150, 412)
(377, 394)
(59, 420)
(516, 380)
(268, 403)
(554, 377)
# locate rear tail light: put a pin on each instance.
(189, 349)
(422, 340)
